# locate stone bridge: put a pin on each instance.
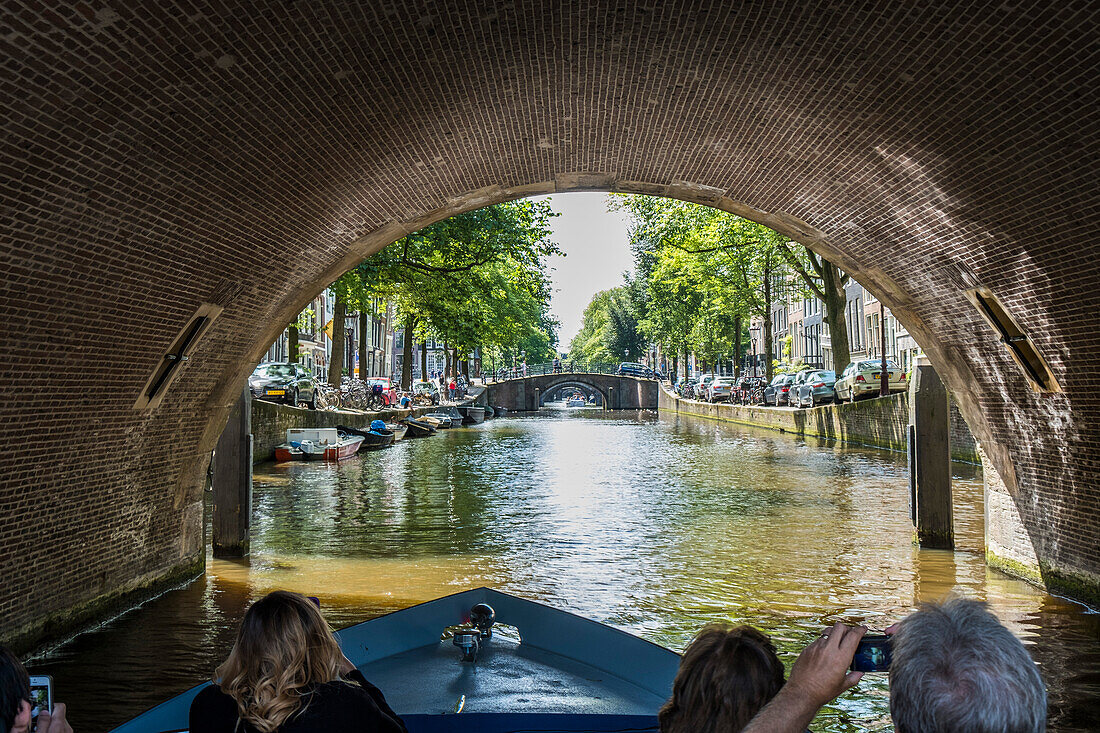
(616, 392)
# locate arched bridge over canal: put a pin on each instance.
(617, 392)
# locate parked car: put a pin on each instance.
(634, 369)
(389, 389)
(701, 385)
(861, 378)
(291, 384)
(779, 386)
(425, 390)
(791, 397)
(817, 389)
(719, 389)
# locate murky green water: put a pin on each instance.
(657, 527)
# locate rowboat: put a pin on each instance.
(418, 428)
(379, 436)
(317, 444)
(444, 667)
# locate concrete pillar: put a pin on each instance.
(930, 456)
(232, 482)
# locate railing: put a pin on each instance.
(565, 367)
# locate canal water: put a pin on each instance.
(656, 526)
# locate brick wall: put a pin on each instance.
(156, 156)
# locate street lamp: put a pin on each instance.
(753, 332)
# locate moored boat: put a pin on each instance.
(379, 436)
(438, 420)
(446, 667)
(317, 444)
(471, 414)
(489, 412)
(418, 428)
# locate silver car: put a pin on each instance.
(861, 379)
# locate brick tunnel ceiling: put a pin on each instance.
(159, 156)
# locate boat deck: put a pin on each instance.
(506, 676)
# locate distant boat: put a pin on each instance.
(452, 666)
(317, 444)
(418, 428)
(576, 402)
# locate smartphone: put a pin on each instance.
(873, 654)
(41, 694)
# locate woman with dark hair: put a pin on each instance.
(286, 674)
(15, 701)
(726, 676)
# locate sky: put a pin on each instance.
(597, 252)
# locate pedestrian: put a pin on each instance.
(451, 388)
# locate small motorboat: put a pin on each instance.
(379, 436)
(471, 414)
(500, 411)
(398, 429)
(438, 420)
(483, 661)
(489, 412)
(576, 402)
(418, 428)
(317, 444)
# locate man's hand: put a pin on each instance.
(821, 671)
(54, 722)
(819, 675)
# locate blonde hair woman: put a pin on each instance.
(286, 674)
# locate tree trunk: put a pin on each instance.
(292, 343)
(364, 324)
(407, 354)
(424, 359)
(737, 347)
(769, 335)
(836, 304)
(448, 364)
(339, 343)
(675, 368)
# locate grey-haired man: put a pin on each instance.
(955, 669)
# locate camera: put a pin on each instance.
(873, 654)
(41, 694)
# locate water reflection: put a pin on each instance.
(654, 526)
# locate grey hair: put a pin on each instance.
(956, 669)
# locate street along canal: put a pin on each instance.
(654, 526)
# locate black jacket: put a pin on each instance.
(334, 707)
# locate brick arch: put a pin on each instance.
(575, 381)
(241, 155)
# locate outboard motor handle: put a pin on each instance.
(468, 641)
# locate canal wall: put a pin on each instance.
(271, 421)
(881, 422)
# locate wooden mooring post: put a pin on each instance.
(232, 482)
(930, 458)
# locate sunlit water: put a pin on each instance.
(654, 526)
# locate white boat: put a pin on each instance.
(538, 669)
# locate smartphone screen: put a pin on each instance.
(41, 694)
(873, 654)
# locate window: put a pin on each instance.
(1018, 343)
